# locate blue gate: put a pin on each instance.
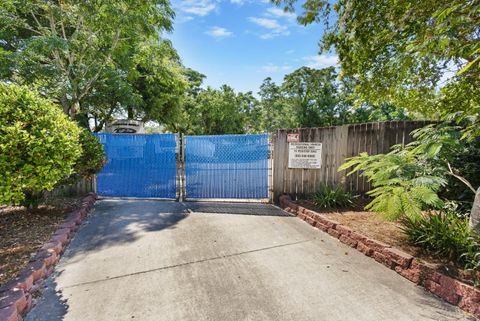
(141, 166)
(226, 167)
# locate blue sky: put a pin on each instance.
(241, 42)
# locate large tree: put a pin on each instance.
(275, 110)
(402, 52)
(313, 98)
(158, 78)
(313, 94)
(216, 112)
(93, 57)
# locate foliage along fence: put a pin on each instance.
(81, 188)
(338, 143)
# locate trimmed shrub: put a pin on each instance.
(90, 162)
(38, 144)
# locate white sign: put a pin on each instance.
(293, 138)
(304, 155)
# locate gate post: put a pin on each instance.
(181, 188)
(271, 165)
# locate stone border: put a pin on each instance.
(451, 290)
(16, 294)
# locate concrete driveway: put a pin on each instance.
(151, 260)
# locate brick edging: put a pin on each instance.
(16, 294)
(451, 290)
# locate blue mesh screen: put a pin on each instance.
(228, 166)
(138, 166)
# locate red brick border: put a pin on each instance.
(453, 291)
(16, 294)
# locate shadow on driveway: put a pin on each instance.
(140, 260)
(118, 222)
(113, 223)
(236, 208)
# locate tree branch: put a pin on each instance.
(460, 178)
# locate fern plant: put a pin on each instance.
(401, 184)
(407, 179)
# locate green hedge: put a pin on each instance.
(39, 144)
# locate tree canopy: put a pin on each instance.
(313, 94)
(307, 97)
(101, 60)
(94, 58)
(421, 55)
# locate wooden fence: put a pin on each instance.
(81, 188)
(338, 143)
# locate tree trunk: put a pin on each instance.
(74, 109)
(475, 215)
(82, 120)
(65, 104)
(99, 127)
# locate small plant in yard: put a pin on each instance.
(471, 256)
(329, 196)
(446, 234)
(443, 233)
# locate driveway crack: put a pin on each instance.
(220, 257)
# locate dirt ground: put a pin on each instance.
(371, 225)
(367, 223)
(23, 232)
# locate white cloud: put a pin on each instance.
(274, 34)
(273, 25)
(271, 68)
(266, 23)
(276, 20)
(219, 32)
(277, 12)
(197, 7)
(321, 61)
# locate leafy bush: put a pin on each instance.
(332, 197)
(408, 179)
(38, 144)
(91, 161)
(445, 234)
(401, 185)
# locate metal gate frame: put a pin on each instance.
(177, 186)
(183, 197)
(181, 188)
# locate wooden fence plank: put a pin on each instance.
(338, 143)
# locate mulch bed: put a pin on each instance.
(24, 231)
(373, 226)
